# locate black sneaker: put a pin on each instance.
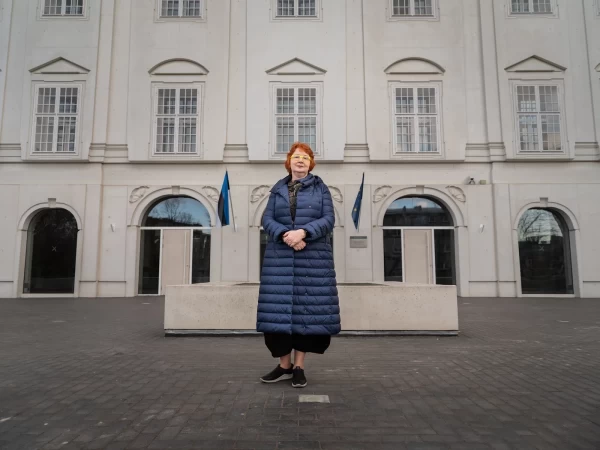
(299, 380)
(277, 374)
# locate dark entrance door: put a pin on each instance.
(51, 253)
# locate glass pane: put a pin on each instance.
(149, 262)
(520, 6)
(170, 8)
(405, 134)
(178, 212)
(201, 257)
(428, 134)
(426, 101)
(307, 131)
(187, 135)
(528, 132)
(52, 7)
(285, 101)
(526, 99)
(165, 135)
(46, 101)
(285, 134)
(51, 253)
(551, 132)
(542, 6)
(188, 101)
(68, 101)
(544, 253)
(306, 8)
(392, 255)
(66, 134)
(166, 101)
(416, 211)
(401, 8)
(74, 7)
(404, 101)
(444, 257)
(423, 8)
(549, 99)
(307, 101)
(285, 7)
(191, 8)
(44, 134)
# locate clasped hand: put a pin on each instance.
(295, 239)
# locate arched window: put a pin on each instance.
(175, 245)
(418, 241)
(51, 253)
(544, 253)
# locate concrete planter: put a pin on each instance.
(394, 308)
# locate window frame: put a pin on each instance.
(391, 17)
(199, 85)
(437, 85)
(158, 17)
(540, 153)
(277, 18)
(318, 85)
(551, 15)
(62, 16)
(55, 154)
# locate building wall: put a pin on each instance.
(473, 50)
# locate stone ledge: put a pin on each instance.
(230, 308)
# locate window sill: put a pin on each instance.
(78, 17)
(418, 156)
(413, 18)
(179, 19)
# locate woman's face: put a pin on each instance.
(300, 162)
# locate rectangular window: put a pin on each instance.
(177, 115)
(56, 117)
(413, 8)
(539, 121)
(63, 8)
(531, 7)
(296, 116)
(296, 8)
(181, 8)
(416, 119)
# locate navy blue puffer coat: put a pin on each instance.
(298, 292)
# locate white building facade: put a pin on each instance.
(475, 123)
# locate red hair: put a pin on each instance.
(306, 149)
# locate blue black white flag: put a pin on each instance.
(223, 205)
(358, 203)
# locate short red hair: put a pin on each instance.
(306, 149)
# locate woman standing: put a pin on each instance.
(298, 306)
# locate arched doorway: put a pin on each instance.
(51, 253)
(544, 253)
(418, 242)
(175, 245)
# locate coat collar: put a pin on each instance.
(281, 187)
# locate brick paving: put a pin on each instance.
(99, 374)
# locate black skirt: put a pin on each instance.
(282, 344)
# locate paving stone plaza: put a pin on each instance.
(99, 374)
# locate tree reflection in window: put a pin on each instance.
(544, 253)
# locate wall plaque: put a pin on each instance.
(358, 242)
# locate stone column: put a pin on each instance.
(236, 147)
(356, 148)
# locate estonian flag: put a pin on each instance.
(223, 206)
(357, 203)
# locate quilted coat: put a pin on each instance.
(298, 292)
